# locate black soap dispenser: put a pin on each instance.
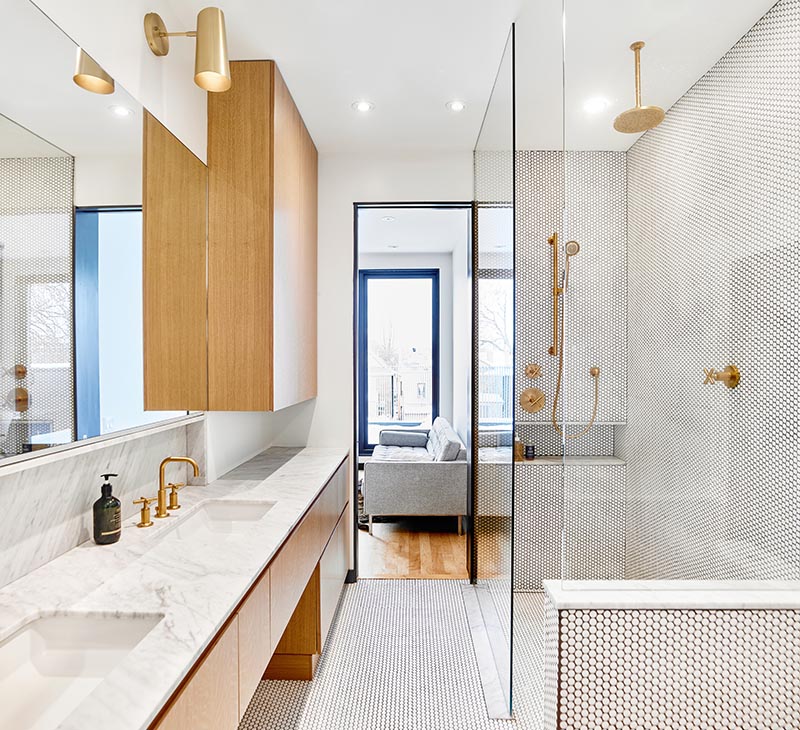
(107, 515)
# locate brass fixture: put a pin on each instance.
(22, 400)
(572, 248)
(531, 400)
(730, 376)
(20, 371)
(211, 69)
(144, 516)
(532, 370)
(161, 507)
(640, 118)
(90, 75)
(557, 290)
(173, 496)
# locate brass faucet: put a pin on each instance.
(161, 507)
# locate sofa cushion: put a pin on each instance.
(443, 442)
(403, 438)
(400, 453)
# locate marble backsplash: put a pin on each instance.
(46, 502)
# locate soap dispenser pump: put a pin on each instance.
(107, 515)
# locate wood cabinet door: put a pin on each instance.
(173, 273)
(209, 700)
(254, 641)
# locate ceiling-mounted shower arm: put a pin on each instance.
(557, 290)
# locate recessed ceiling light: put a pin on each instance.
(456, 106)
(363, 106)
(388, 219)
(392, 245)
(120, 111)
(596, 104)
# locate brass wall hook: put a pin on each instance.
(730, 376)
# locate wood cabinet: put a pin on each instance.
(173, 273)
(279, 628)
(231, 309)
(255, 647)
(209, 699)
(262, 245)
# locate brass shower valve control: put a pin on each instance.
(144, 517)
(173, 495)
(531, 400)
(532, 370)
(730, 376)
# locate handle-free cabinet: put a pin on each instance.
(247, 339)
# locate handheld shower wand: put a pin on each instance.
(571, 249)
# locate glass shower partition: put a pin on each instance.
(492, 435)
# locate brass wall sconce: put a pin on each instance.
(90, 75)
(211, 69)
(730, 376)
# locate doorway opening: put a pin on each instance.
(412, 321)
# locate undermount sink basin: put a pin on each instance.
(220, 517)
(50, 665)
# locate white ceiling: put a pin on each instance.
(410, 58)
(43, 98)
(16, 141)
(413, 230)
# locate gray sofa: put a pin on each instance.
(417, 472)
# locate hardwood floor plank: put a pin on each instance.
(414, 548)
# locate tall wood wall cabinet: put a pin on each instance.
(262, 245)
(247, 341)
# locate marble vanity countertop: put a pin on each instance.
(194, 586)
(676, 594)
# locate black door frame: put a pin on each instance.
(352, 574)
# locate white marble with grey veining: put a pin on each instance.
(194, 585)
(676, 594)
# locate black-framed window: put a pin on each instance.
(398, 351)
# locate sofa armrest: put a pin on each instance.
(404, 438)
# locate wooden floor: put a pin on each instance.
(420, 547)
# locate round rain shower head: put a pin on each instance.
(572, 248)
(640, 118)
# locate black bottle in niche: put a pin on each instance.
(107, 515)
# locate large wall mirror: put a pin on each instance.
(70, 247)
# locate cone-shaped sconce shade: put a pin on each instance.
(211, 69)
(90, 75)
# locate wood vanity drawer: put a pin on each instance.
(294, 564)
(255, 647)
(209, 699)
(332, 572)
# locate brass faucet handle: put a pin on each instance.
(173, 495)
(729, 376)
(144, 517)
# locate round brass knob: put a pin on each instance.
(531, 400)
(532, 370)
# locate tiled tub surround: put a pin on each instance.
(194, 585)
(47, 500)
(672, 655)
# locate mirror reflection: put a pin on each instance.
(70, 248)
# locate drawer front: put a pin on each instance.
(332, 572)
(294, 564)
(210, 698)
(255, 647)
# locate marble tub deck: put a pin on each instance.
(194, 585)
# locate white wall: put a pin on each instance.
(112, 33)
(462, 340)
(444, 263)
(108, 180)
(343, 180)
